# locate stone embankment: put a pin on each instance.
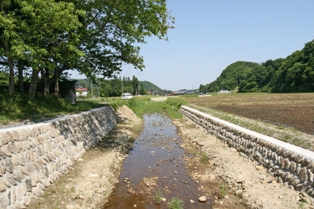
(290, 165)
(32, 157)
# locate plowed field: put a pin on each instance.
(288, 110)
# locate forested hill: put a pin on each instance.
(150, 86)
(292, 74)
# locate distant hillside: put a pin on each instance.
(292, 74)
(150, 86)
(231, 77)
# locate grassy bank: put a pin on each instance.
(144, 105)
(20, 110)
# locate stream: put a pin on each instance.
(156, 163)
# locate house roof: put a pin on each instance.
(179, 92)
(81, 89)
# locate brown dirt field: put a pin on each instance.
(288, 110)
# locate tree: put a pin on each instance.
(113, 29)
(135, 86)
(142, 89)
(34, 32)
(93, 37)
(202, 88)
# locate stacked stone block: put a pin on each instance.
(33, 157)
(290, 164)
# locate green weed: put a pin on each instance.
(176, 203)
(111, 179)
(287, 137)
(144, 105)
(302, 205)
(223, 191)
(280, 127)
(158, 196)
(204, 157)
(19, 108)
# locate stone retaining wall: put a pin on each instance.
(34, 156)
(291, 165)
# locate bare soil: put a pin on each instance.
(227, 175)
(289, 110)
(222, 174)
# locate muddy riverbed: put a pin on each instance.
(174, 157)
(156, 164)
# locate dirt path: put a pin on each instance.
(222, 174)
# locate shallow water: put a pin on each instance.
(155, 163)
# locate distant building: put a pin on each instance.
(224, 91)
(182, 92)
(190, 92)
(80, 91)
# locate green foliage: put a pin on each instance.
(4, 78)
(231, 77)
(150, 86)
(144, 105)
(204, 157)
(114, 87)
(19, 109)
(292, 74)
(158, 196)
(296, 72)
(135, 85)
(176, 203)
(142, 90)
(223, 191)
(92, 37)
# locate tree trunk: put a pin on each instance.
(45, 78)
(21, 78)
(11, 78)
(56, 93)
(33, 86)
(11, 69)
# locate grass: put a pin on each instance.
(302, 205)
(20, 109)
(176, 203)
(144, 105)
(158, 196)
(223, 191)
(204, 157)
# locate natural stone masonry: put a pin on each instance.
(32, 157)
(291, 165)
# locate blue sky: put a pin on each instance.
(209, 35)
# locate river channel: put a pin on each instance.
(156, 163)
